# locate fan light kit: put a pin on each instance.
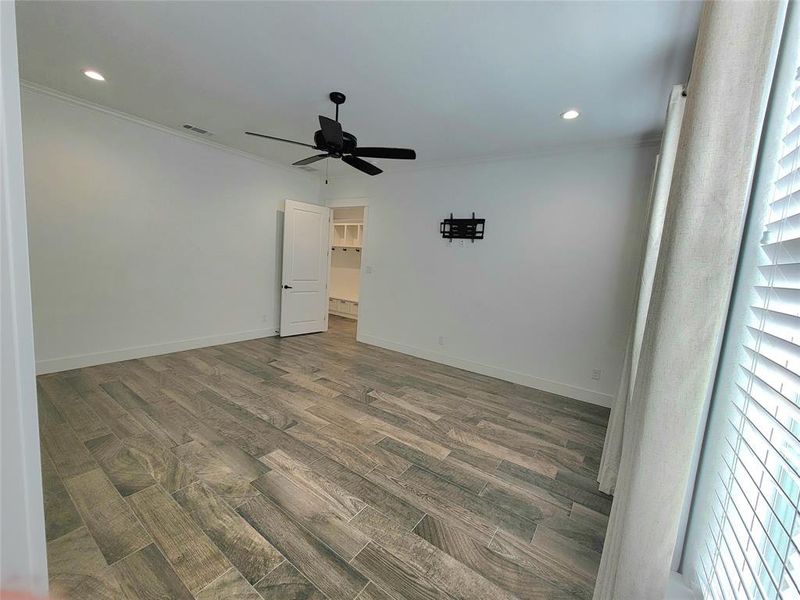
(570, 114)
(94, 75)
(336, 143)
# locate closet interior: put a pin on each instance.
(346, 245)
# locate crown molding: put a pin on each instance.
(616, 143)
(58, 95)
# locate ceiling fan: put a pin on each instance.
(336, 143)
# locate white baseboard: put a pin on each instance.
(53, 365)
(65, 363)
(554, 387)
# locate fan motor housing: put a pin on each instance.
(349, 144)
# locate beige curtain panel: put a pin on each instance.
(612, 449)
(725, 106)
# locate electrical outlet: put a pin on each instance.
(441, 340)
(596, 374)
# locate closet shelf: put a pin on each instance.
(343, 298)
(347, 235)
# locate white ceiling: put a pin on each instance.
(454, 80)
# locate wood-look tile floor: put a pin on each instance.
(316, 467)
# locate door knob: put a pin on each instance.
(287, 287)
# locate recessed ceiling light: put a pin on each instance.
(94, 75)
(570, 114)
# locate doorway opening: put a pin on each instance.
(347, 250)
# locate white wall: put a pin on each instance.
(548, 295)
(23, 555)
(143, 241)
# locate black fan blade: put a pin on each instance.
(395, 153)
(331, 131)
(361, 165)
(270, 137)
(309, 160)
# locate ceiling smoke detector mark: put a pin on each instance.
(195, 129)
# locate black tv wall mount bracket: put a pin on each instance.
(462, 229)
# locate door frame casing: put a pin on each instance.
(23, 549)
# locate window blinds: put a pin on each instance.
(745, 526)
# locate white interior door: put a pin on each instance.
(304, 287)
